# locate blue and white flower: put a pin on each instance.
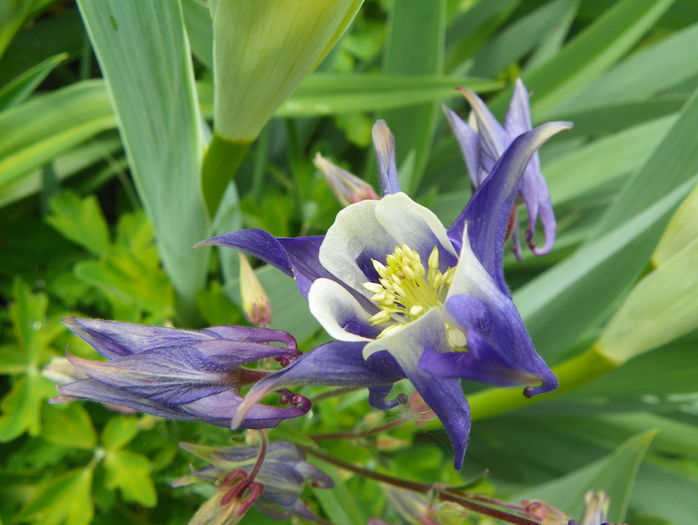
(405, 297)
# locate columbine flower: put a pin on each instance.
(180, 374)
(281, 474)
(412, 298)
(348, 188)
(484, 144)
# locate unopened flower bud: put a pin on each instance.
(255, 302)
(348, 188)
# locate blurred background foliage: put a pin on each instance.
(90, 178)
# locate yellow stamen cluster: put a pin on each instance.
(405, 291)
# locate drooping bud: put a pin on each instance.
(348, 188)
(255, 302)
(546, 514)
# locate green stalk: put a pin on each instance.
(221, 163)
(572, 374)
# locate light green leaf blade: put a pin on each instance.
(614, 474)
(662, 307)
(28, 313)
(644, 73)
(144, 55)
(680, 232)
(24, 85)
(587, 56)
(32, 133)
(68, 425)
(81, 221)
(118, 432)
(21, 408)
(130, 473)
(416, 36)
(64, 499)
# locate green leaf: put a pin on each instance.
(416, 34)
(614, 474)
(66, 165)
(662, 307)
(197, 19)
(130, 473)
(12, 360)
(118, 432)
(64, 499)
(650, 70)
(338, 502)
(28, 313)
(216, 308)
(68, 425)
(589, 54)
(144, 55)
(603, 160)
(36, 131)
(518, 39)
(81, 221)
(13, 14)
(680, 232)
(21, 408)
(554, 304)
(24, 85)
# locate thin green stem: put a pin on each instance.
(357, 435)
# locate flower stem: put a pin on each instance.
(357, 435)
(261, 455)
(444, 494)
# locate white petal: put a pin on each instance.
(472, 279)
(355, 234)
(411, 339)
(412, 224)
(333, 306)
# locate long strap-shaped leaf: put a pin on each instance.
(144, 55)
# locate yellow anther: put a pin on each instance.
(405, 290)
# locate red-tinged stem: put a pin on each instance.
(263, 446)
(423, 488)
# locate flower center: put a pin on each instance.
(405, 291)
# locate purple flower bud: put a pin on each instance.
(180, 374)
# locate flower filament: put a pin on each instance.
(405, 290)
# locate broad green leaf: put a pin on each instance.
(81, 221)
(21, 407)
(130, 473)
(555, 305)
(65, 499)
(671, 165)
(68, 425)
(416, 36)
(645, 73)
(603, 160)
(66, 165)
(518, 39)
(32, 133)
(662, 307)
(118, 432)
(333, 93)
(587, 56)
(144, 56)
(555, 37)
(614, 474)
(681, 231)
(24, 85)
